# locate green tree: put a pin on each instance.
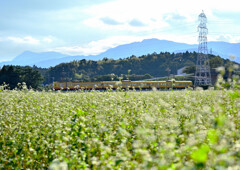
(12, 75)
(190, 69)
(216, 62)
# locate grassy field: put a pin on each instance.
(127, 130)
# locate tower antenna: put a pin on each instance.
(202, 74)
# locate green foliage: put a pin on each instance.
(12, 75)
(190, 69)
(213, 136)
(234, 95)
(119, 130)
(201, 154)
(216, 62)
(155, 64)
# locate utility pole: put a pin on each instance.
(203, 74)
(211, 51)
(52, 81)
(168, 70)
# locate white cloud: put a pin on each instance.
(48, 39)
(124, 21)
(227, 38)
(97, 47)
(125, 11)
(29, 40)
(172, 20)
(23, 40)
(146, 25)
(151, 13)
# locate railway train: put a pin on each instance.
(104, 85)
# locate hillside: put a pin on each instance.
(155, 64)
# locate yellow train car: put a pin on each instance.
(122, 85)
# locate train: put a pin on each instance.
(127, 85)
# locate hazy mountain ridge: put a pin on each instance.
(32, 58)
(148, 46)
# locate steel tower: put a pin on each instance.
(202, 74)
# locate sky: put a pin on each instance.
(88, 27)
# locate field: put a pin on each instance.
(120, 130)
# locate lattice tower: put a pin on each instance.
(202, 74)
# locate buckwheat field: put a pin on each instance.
(120, 130)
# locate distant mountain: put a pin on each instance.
(148, 46)
(31, 58)
(225, 50)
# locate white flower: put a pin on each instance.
(57, 165)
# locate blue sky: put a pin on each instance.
(83, 27)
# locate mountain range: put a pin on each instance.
(147, 46)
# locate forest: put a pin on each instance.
(154, 65)
(107, 69)
(14, 76)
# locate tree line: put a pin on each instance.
(131, 68)
(155, 64)
(13, 75)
